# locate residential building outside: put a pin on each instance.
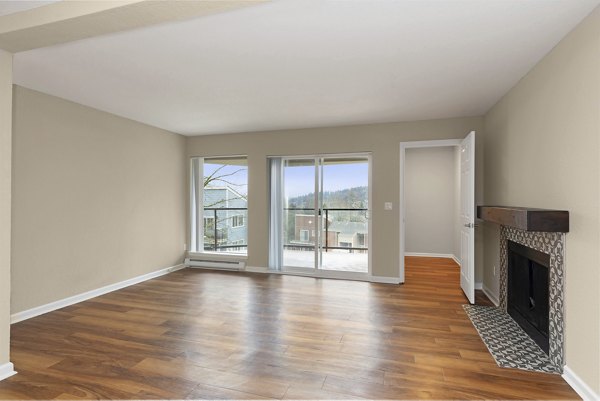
(225, 220)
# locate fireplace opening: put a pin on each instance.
(527, 292)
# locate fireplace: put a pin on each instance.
(552, 244)
(532, 272)
(527, 287)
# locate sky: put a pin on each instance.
(301, 180)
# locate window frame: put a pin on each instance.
(197, 212)
(207, 218)
(307, 232)
(236, 218)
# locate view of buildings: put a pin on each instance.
(225, 217)
(344, 220)
(225, 205)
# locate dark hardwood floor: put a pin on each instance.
(201, 334)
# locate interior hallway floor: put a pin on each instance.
(206, 334)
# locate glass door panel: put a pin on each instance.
(300, 225)
(325, 213)
(344, 203)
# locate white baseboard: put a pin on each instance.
(384, 280)
(256, 269)
(61, 303)
(478, 285)
(7, 370)
(433, 255)
(579, 385)
(429, 255)
(490, 294)
(456, 260)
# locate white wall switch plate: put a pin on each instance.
(387, 206)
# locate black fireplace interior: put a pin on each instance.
(528, 304)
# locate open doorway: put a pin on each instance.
(437, 205)
(432, 202)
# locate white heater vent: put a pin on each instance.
(215, 264)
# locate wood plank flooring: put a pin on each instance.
(217, 335)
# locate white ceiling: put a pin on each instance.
(308, 63)
(10, 7)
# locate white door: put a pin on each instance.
(467, 216)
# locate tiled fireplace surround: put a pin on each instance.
(553, 244)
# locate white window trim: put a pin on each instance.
(196, 234)
(237, 217)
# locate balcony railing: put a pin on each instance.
(325, 213)
(219, 243)
(217, 226)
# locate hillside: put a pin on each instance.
(351, 198)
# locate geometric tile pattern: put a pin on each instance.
(552, 244)
(510, 346)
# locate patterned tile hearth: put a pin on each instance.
(510, 346)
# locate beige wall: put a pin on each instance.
(382, 140)
(97, 199)
(430, 187)
(542, 150)
(5, 205)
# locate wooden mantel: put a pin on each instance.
(526, 219)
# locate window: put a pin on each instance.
(360, 238)
(346, 244)
(304, 235)
(209, 224)
(237, 221)
(219, 203)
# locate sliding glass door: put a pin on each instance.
(324, 213)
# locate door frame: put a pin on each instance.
(346, 275)
(403, 147)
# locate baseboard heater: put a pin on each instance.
(215, 264)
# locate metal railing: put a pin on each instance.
(215, 245)
(325, 211)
